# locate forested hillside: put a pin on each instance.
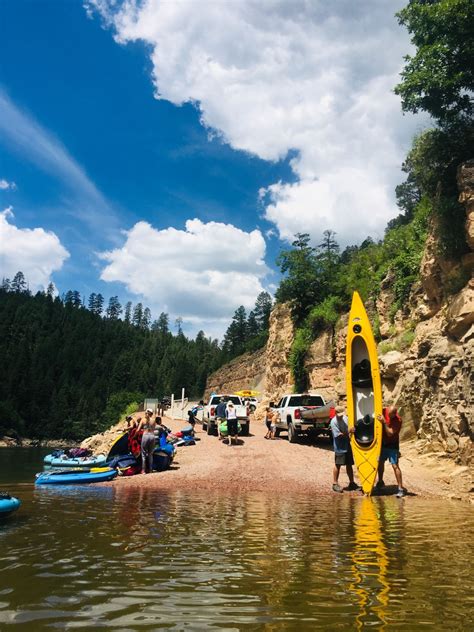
(70, 367)
(68, 372)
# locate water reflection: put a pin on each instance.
(370, 567)
(134, 559)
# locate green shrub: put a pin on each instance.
(297, 357)
(118, 405)
(324, 315)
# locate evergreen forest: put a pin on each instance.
(71, 368)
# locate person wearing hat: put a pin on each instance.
(342, 450)
(232, 423)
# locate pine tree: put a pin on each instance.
(163, 323)
(252, 325)
(128, 312)
(19, 284)
(146, 319)
(236, 334)
(137, 315)
(263, 308)
(114, 308)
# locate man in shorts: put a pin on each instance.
(391, 426)
(342, 450)
(221, 409)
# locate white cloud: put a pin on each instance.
(35, 251)
(5, 185)
(202, 273)
(314, 77)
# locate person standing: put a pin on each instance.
(232, 427)
(220, 414)
(391, 426)
(148, 426)
(268, 422)
(342, 450)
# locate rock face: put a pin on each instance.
(245, 372)
(466, 197)
(426, 356)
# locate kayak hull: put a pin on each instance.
(319, 412)
(76, 477)
(8, 506)
(364, 394)
(96, 461)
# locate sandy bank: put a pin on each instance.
(257, 464)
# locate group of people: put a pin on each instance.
(146, 427)
(271, 419)
(391, 426)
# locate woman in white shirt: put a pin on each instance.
(231, 416)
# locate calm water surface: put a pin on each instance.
(97, 557)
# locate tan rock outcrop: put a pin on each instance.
(244, 372)
(465, 177)
(278, 379)
(460, 312)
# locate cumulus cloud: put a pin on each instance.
(36, 252)
(202, 273)
(5, 185)
(314, 78)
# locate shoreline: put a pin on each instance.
(278, 467)
(259, 465)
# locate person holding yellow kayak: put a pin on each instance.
(391, 425)
(342, 451)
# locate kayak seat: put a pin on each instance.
(361, 374)
(364, 430)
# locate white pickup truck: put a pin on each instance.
(209, 413)
(300, 413)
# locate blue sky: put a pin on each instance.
(166, 154)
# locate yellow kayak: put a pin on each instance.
(364, 394)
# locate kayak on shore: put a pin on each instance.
(76, 476)
(63, 460)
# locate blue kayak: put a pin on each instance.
(65, 461)
(75, 477)
(8, 504)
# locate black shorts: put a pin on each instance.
(345, 458)
(232, 427)
(268, 425)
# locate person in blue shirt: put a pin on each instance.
(342, 450)
(221, 410)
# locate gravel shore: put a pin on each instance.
(258, 464)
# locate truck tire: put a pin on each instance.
(210, 430)
(292, 433)
(277, 432)
(245, 430)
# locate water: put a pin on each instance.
(123, 559)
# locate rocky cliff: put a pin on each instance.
(426, 354)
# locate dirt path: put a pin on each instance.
(257, 464)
